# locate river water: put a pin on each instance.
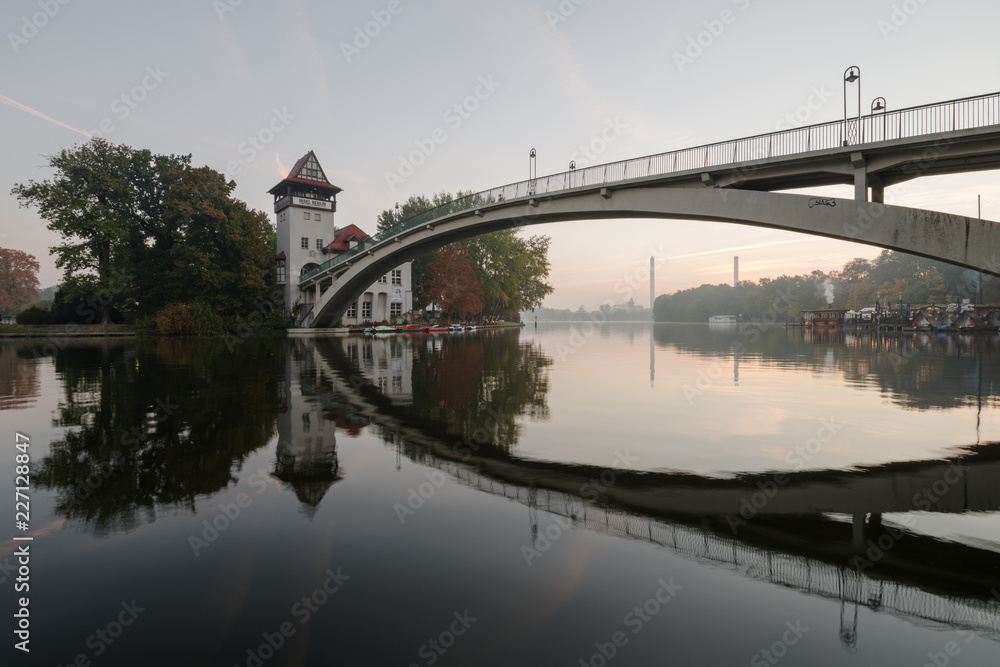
(571, 494)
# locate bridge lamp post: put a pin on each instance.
(851, 74)
(532, 171)
(878, 105)
(572, 168)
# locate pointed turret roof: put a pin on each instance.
(307, 171)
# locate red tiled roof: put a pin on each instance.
(341, 242)
(280, 255)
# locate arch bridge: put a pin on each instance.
(733, 181)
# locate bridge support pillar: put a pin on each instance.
(878, 190)
(858, 531)
(860, 177)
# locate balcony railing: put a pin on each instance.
(942, 117)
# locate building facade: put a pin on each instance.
(305, 203)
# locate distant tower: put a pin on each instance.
(652, 283)
(304, 203)
(736, 270)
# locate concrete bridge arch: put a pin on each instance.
(968, 242)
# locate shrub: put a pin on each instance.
(34, 315)
(189, 319)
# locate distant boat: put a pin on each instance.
(437, 329)
(725, 319)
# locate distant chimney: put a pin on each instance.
(652, 284)
(736, 270)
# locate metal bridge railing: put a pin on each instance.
(955, 115)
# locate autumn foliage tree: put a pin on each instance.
(511, 270)
(18, 280)
(452, 283)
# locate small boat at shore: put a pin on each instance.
(380, 329)
(436, 329)
(725, 319)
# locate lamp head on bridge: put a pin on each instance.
(572, 165)
(878, 104)
(532, 153)
(852, 74)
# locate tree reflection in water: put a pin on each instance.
(155, 424)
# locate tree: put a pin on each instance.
(453, 284)
(218, 251)
(18, 280)
(107, 203)
(151, 230)
(511, 270)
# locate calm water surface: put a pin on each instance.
(571, 495)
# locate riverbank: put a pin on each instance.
(67, 331)
(347, 331)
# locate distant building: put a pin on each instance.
(305, 203)
(824, 318)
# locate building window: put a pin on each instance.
(395, 308)
(319, 244)
(305, 422)
(317, 216)
(305, 243)
(397, 277)
(281, 270)
(366, 309)
(383, 279)
(305, 215)
(352, 310)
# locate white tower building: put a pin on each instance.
(305, 203)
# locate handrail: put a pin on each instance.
(960, 114)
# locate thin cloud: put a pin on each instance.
(23, 107)
(753, 246)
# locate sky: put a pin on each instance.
(247, 87)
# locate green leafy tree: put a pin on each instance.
(106, 202)
(143, 231)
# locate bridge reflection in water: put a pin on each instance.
(818, 532)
